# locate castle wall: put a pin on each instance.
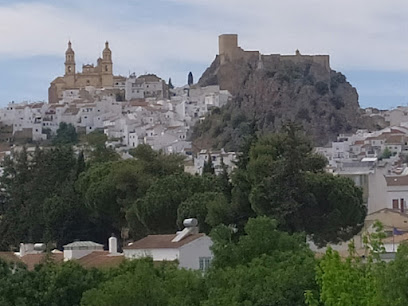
(227, 43)
(323, 60)
(230, 51)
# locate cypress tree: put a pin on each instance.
(190, 80)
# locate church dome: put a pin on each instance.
(69, 50)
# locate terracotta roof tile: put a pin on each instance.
(9, 257)
(397, 180)
(100, 259)
(31, 260)
(162, 242)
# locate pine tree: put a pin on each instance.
(208, 165)
(80, 164)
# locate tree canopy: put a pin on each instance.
(66, 134)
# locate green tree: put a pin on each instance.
(209, 208)
(392, 279)
(142, 286)
(190, 80)
(345, 282)
(66, 134)
(40, 201)
(156, 162)
(208, 165)
(285, 182)
(386, 153)
(333, 206)
(157, 211)
(263, 267)
(98, 152)
(108, 189)
(49, 284)
(170, 84)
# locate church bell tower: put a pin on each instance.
(107, 67)
(70, 66)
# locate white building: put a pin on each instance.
(217, 159)
(145, 86)
(78, 249)
(190, 248)
(397, 192)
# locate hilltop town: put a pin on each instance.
(264, 164)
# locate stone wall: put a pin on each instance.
(230, 51)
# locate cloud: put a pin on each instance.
(32, 29)
(171, 37)
(357, 34)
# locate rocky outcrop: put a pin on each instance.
(271, 92)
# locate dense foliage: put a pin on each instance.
(264, 266)
(54, 196)
(258, 217)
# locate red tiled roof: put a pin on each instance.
(395, 139)
(100, 259)
(31, 260)
(162, 242)
(397, 180)
(9, 257)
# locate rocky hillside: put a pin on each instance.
(320, 100)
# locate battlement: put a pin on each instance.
(229, 50)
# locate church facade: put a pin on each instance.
(99, 76)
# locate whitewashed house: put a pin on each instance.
(78, 249)
(190, 248)
(217, 159)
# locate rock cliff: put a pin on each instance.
(271, 92)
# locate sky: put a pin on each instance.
(366, 39)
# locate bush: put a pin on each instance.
(337, 102)
(321, 88)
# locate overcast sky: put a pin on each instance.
(366, 39)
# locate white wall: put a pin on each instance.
(191, 252)
(397, 193)
(76, 254)
(377, 186)
(156, 254)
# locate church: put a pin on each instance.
(99, 76)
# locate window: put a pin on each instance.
(204, 263)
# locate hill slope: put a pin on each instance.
(306, 92)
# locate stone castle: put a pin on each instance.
(99, 76)
(230, 51)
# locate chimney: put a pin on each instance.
(22, 249)
(113, 244)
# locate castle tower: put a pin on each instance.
(107, 67)
(227, 47)
(70, 66)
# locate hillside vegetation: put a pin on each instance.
(323, 102)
